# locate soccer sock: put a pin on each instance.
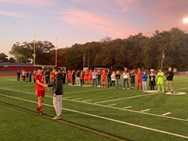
(39, 108)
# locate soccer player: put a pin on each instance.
(160, 80)
(86, 77)
(169, 79)
(90, 77)
(103, 78)
(40, 89)
(139, 79)
(69, 77)
(57, 93)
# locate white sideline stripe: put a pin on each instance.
(127, 107)
(123, 98)
(100, 105)
(105, 118)
(145, 110)
(165, 114)
(112, 104)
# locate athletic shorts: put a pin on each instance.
(40, 93)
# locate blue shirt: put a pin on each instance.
(144, 77)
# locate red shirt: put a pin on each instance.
(40, 78)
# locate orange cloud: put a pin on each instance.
(97, 23)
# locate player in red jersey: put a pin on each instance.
(69, 77)
(139, 79)
(86, 74)
(40, 88)
(52, 76)
(90, 77)
(104, 78)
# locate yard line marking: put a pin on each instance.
(124, 98)
(182, 88)
(67, 97)
(104, 118)
(127, 107)
(77, 99)
(165, 114)
(145, 110)
(86, 100)
(100, 105)
(112, 105)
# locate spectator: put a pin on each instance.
(73, 77)
(18, 74)
(94, 77)
(118, 76)
(78, 78)
(132, 79)
(109, 78)
(99, 78)
(113, 79)
(144, 81)
(126, 78)
(152, 82)
(169, 79)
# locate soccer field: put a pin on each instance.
(94, 114)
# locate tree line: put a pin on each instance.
(132, 52)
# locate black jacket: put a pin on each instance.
(57, 85)
(169, 75)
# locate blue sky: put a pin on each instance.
(81, 21)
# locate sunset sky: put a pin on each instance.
(81, 21)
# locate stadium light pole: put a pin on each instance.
(56, 53)
(34, 50)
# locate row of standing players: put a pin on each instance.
(113, 79)
(108, 78)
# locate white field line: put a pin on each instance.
(127, 107)
(133, 97)
(87, 91)
(166, 114)
(116, 108)
(105, 118)
(87, 100)
(146, 110)
(112, 105)
(77, 99)
(67, 97)
(124, 98)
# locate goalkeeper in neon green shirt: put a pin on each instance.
(160, 80)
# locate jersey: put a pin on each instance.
(40, 78)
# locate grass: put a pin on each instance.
(90, 109)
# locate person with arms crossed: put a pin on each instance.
(169, 79)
